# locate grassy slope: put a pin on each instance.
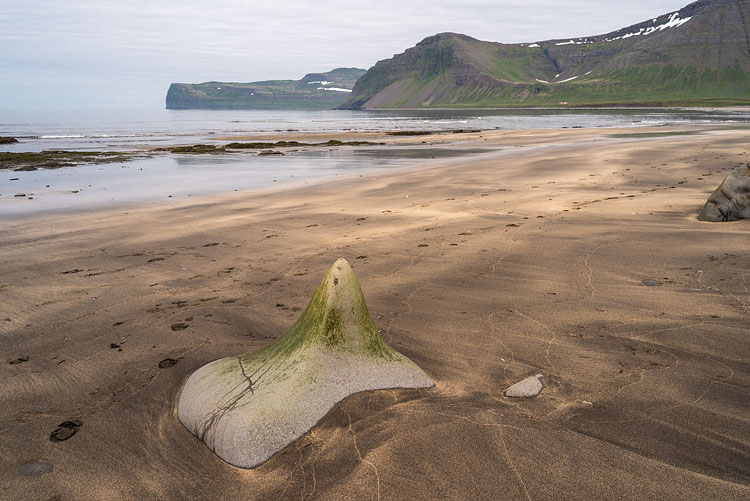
(704, 62)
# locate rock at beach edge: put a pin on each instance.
(731, 200)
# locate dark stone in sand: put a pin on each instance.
(179, 326)
(19, 360)
(651, 283)
(65, 430)
(35, 469)
(8, 140)
(731, 200)
(167, 362)
(19, 195)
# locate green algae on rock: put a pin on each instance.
(248, 407)
(731, 200)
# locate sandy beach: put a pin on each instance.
(483, 271)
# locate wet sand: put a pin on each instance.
(482, 271)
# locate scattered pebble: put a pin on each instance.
(65, 430)
(19, 360)
(35, 469)
(529, 387)
(179, 326)
(167, 363)
(649, 282)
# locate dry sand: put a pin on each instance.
(492, 270)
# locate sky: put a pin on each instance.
(100, 54)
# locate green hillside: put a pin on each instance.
(699, 55)
(316, 91)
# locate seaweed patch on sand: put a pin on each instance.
(55, 159)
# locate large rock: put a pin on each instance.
(731, 200)
(8, 140)
(248, 407)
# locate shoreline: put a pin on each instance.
(491, 143)
(481, 270)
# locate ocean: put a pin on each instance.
(172, 176)
(134, 129)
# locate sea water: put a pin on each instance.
(172, 176)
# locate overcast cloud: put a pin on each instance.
(118, 54)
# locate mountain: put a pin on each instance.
(315, 91)
(699, 55)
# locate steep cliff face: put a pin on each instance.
(697, 55)
(314, 91)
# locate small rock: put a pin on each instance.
(649, 282)
(179, 326)
(8, 140)
(35, 469)
(20, 195)
(19, 360)
(529, 387)
(65, 430)
(167, 362)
